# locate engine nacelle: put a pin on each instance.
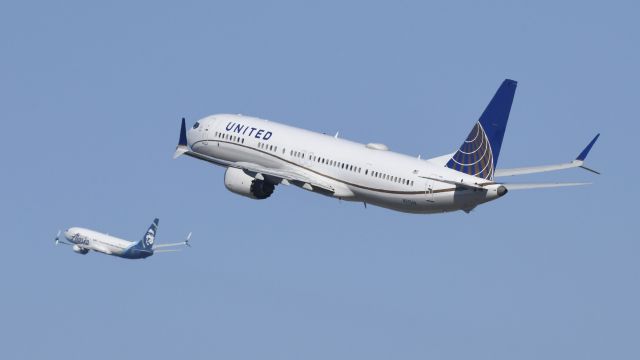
(242, 184)
(80, 250)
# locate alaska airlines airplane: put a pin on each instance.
(261, 154)
(84, 240)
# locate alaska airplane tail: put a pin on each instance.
(146, 243)
(478, 154)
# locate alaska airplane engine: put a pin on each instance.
(80, 250)
(236, 181)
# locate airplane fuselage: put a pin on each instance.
(84, 240)
(368, 173)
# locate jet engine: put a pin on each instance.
(80, 250)
(236, 181)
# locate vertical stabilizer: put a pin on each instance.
(478, 154)
(146, 243)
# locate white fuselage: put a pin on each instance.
(86, 239)
(357, 172)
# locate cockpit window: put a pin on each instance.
(195, 126)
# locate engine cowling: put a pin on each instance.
(236, 181)
(80, 250)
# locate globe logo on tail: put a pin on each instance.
(474, 156)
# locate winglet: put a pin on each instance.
(182, 142)
(585, 152)
(183, 134)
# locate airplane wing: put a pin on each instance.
(539, 185)
(260, 172)
(578, 162)
(185, 243)
(101, 249)
(290, 176)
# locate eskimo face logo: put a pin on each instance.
(148, 238)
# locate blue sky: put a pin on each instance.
(91, 97)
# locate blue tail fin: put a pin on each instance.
(478, 154)
(146, 243)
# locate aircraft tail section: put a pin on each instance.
(478, 154)
(146, 243)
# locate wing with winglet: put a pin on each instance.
(578, 162)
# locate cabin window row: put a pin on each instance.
(229, 137)
(320, 160)
(267, 147)
(383, 176)
(353, 168)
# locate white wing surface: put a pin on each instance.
(578, 162)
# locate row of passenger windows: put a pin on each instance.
(268, 147)
(320, 160)
(229, 137)
(388, 177)
(353, 168)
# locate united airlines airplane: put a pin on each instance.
(82, 240)
(261, 154)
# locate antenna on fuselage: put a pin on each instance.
(336, 135)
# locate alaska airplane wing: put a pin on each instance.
(101, 249)
(578, 162)
(185, 243)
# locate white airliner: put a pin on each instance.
(84, 240)
(261, 154)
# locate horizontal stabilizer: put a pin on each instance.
(540, 185)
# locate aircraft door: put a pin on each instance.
(428, 190)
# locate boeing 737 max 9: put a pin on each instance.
(82, 240)
(260, 154)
